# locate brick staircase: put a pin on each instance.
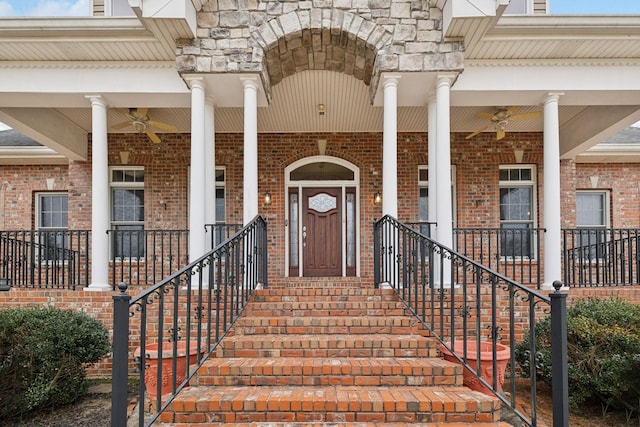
(339, 356)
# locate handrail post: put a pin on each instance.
(120, 369)
(559, 366)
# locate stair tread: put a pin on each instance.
(408, 339)
(333, 424)
(344, 398)
(395, 364)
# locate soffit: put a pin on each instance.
(549, 37)
(89, 39)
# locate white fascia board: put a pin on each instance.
(38, 28)
(583, 82)
(49, 128)
(31, 156)
(171, 9)
(67, 81)
(559, 27)
(453, 9)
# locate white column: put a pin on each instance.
(444, 219)
(551, 201)
(433, 165)
(99, 196)
(197, 195)
(210, 166)
(250, 183)
(390, 147)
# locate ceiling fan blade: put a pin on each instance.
(525, 116)
(510, 110)
(141, 111)
(163, 126)
(119, 126)
(487, 116)
(500, 133)
(152, 136)
(471, 135)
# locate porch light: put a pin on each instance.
(377, 198)
(5, 284)
(267, 198)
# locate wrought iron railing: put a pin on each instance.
(187, 314)
(55, 259)
(220, 232)
(144, 257)
(473, 310)
(512, 252)
(601, 257)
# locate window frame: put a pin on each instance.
(39, 227)
(113, 224)
(532, 184)
(600, 254)
(424, 184)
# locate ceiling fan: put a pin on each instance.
(139, 120)
(500, 119)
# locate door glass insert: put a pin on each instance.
(322, 202)
(293, 229)
(322, 171)
(351, 230)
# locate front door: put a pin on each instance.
(321, 232)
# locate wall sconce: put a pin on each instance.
(267, 198)
(377, 198)
(5, 284)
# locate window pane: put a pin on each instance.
(220, 205)
(128, 205)
(516, 241)
(129, 241)
(423, 206)
(53, 211)
(515, 203)
(423, 175)
(590, 209)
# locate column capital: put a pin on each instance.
(552, 96)
(96, 99)
(391, 80)
(195, 82)
(249, 82)
(445, 79)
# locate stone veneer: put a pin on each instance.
(276, 39)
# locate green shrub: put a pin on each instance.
(603, 351)
(43, 352)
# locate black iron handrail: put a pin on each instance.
(187, 313)
(601, 257)
(220, 232)
(467, 306)
(144, 257)
(512, 252)
(44, 258)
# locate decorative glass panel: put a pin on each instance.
(322, 202)
(293, 229)
(351, 230)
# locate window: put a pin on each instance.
(127, 212)
(592, 220)
(517, 185)
(423, 198)
(52, 216)
(518, 7)
(118, 8)
(221, 232)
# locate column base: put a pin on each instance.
(96, 287)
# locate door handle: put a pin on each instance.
(304, 236)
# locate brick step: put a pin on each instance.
(331, 404)
(312, 424)
(325, 308)
(329, 371)
(324, 294)
(328, 346)
(327, 325)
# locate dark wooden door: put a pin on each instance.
(322, 232)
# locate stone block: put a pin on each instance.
(412, 62)
(203, 64)
(186, 63)
(379, 4)
(400, 10)
(291, 25)
(205, 19)
(404, 33)
(227, 5)
(219, 33)
(231, 19)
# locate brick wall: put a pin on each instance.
(476, 163)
